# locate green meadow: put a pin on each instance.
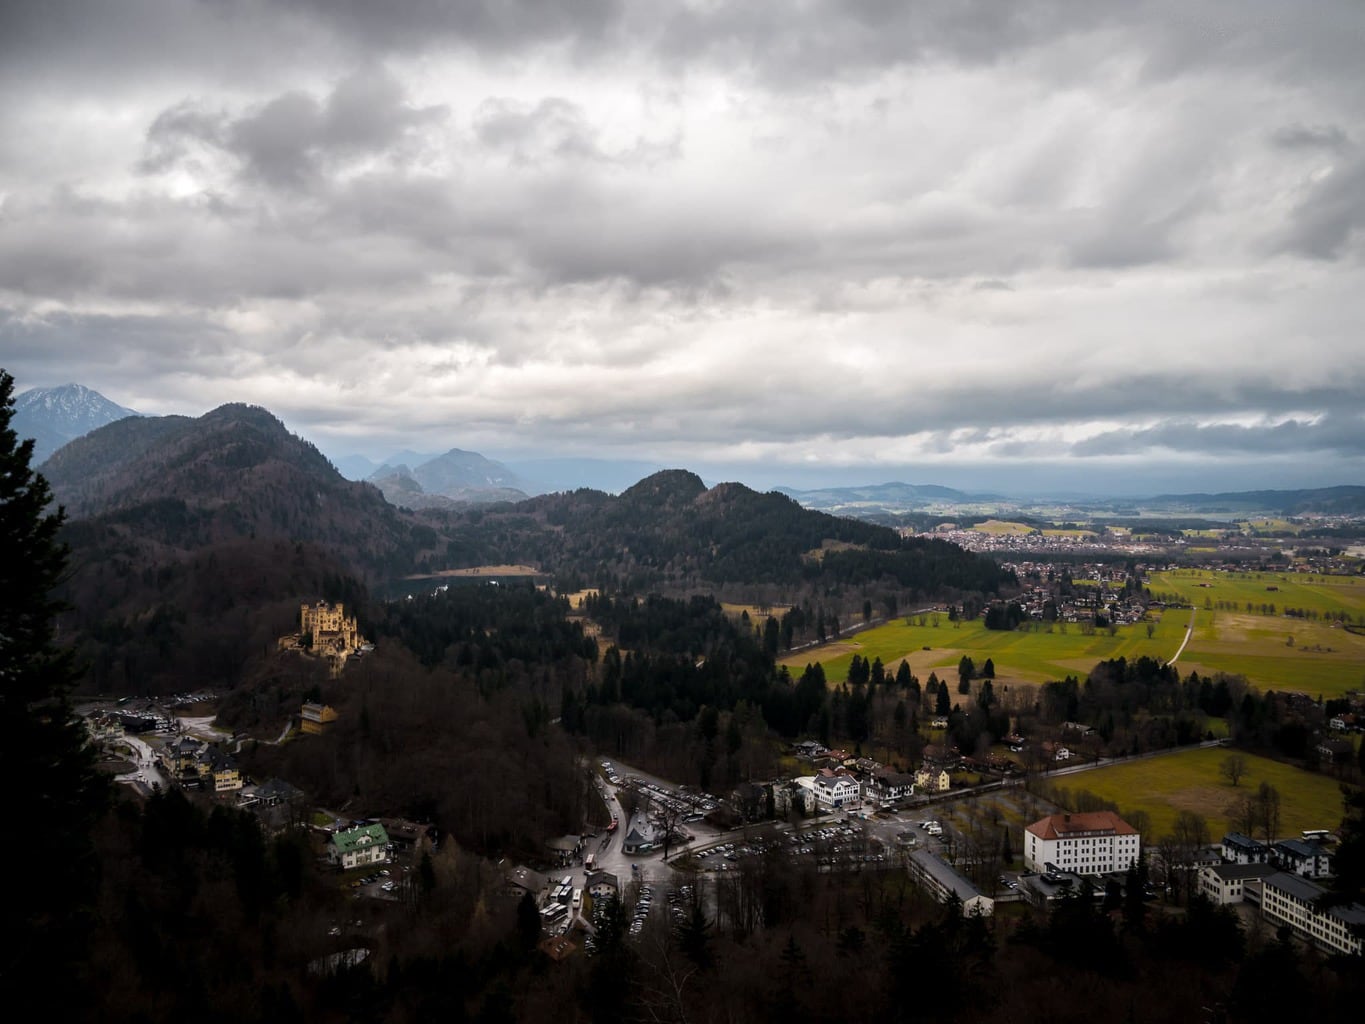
(1190, 780)
(1021, 655)
(1275, 652)
(1323, 594)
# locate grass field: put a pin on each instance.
(1002, 528)
(1322, 658)
(1019, 656)
(1190, 780)
(1323, 594)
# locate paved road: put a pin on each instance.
(147, 771)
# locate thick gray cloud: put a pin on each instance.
(839, 235)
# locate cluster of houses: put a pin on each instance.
(841, 782)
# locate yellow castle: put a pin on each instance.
(330, 633)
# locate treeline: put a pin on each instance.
(1141, 704)
(485, 627)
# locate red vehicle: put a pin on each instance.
(612, 826)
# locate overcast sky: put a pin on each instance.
(1100, 245)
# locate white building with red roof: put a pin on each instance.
(1092, 843)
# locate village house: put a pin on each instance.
(315, 718)
(218, 771)
(519, 880)
(1307, 860)
(180, 758)
(1335, 751)
(1240, 849)
(358, 845)
(887, 787)
(602, 884)
(103, 727)
(1092, 843)
(930, 779)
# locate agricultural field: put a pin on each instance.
(1002, 528)
(1191, 781)
(1019, 656)
(1323, 594)
(1275, 652)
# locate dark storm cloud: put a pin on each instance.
(1330, 219)
(1342, 434)
(954, 229)
(290, 140)
(1310, 136)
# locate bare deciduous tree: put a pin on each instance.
(1233, 767)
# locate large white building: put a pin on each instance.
(837, 791)
(1289, 899)
(1092, 843)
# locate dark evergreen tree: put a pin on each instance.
(55, 792)
(903, 676)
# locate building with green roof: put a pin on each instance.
(359, 845)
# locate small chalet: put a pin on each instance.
(361, 844)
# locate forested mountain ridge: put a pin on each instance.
(670, 530)
(192, 537)
(234, 473)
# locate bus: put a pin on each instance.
(553, 912)
(1316, 835)
(589, 862)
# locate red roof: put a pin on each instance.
(1060, 826)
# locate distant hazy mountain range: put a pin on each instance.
(54, 416)
(453, 478)
(890, 497)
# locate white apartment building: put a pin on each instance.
(837, 791)
(1092, 843)
(1289, 899)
